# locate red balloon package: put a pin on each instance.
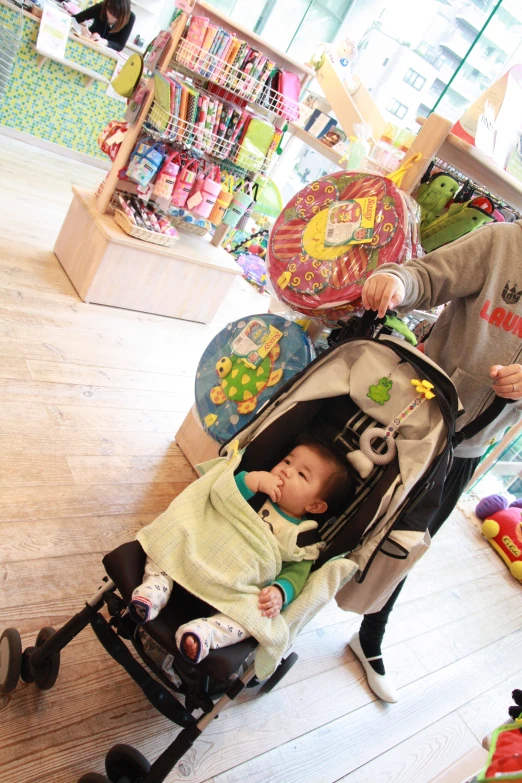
(332, 235)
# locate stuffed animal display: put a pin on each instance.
(449, 210)
(332, 235)
(243, 366)
(502, 527)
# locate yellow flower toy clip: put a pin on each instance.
(424, 388)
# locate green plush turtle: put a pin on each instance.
(243, 382)
(459, 219)
(434, 195)
(380, 392)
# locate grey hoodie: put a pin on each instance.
(480, 276)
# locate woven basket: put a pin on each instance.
(142, 233)
(192, 228)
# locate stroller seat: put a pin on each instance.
(125, 566)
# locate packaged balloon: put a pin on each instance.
(332, 235)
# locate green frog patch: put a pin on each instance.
(380, 392)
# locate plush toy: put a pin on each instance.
(434, 195)
(454, 223)
(503, 530)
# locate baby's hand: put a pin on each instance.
(270, 485)
(270, 601)
(262, 481)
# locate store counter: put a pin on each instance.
(61, 101)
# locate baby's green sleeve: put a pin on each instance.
(292, 578)
(242, 486)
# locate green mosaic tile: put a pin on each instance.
(51, 102)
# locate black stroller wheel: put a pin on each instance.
(93, 777)
(10, 660)
(126, 764)
(45, 676)
(281, 671)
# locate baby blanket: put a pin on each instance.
(214, 544)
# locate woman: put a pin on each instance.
(477, 341)
(112, 24)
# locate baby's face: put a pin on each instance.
(303, 473)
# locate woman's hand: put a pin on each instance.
(270, 601)
(382, 292)
(508, 381)
(96, 38)
(262, 481)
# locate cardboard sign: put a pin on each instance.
(54, 31)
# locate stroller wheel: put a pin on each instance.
(93, 777)
(282, 670)
(45, 676)
(10, 660)
(125, 763)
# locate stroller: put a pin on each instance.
(383, 530)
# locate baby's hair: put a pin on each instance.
(338, 485)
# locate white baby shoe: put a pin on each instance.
(379, 683)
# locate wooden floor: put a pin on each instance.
(90, 399)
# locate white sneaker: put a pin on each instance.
(379, 683)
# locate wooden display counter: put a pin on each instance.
(107, 266)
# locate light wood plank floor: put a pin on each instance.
(90, 399)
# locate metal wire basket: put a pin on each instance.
(234, 80)
(170, 128)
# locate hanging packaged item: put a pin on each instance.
(145, 163)
(111, 137)
(184, 183)
(241, 200)
(166, 179)
(210, 190)
(223, 200)
(289, 89)
(331, 236)
(254, 144)
(243, 220)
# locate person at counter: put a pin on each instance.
(112, 24)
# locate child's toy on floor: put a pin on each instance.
(502, 527)
(243, 366)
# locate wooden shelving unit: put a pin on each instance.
(93, 256)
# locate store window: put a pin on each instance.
(397, 108)
(449, 54)
(415, 79)
(294, 26)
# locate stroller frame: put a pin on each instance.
(124, 764)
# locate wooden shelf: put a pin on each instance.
(467, 159)
(90, 75)
(314, 142)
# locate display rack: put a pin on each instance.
(190, 279)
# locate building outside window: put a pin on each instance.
(415, 79)
(397, 109)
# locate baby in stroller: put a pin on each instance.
(308, 481)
